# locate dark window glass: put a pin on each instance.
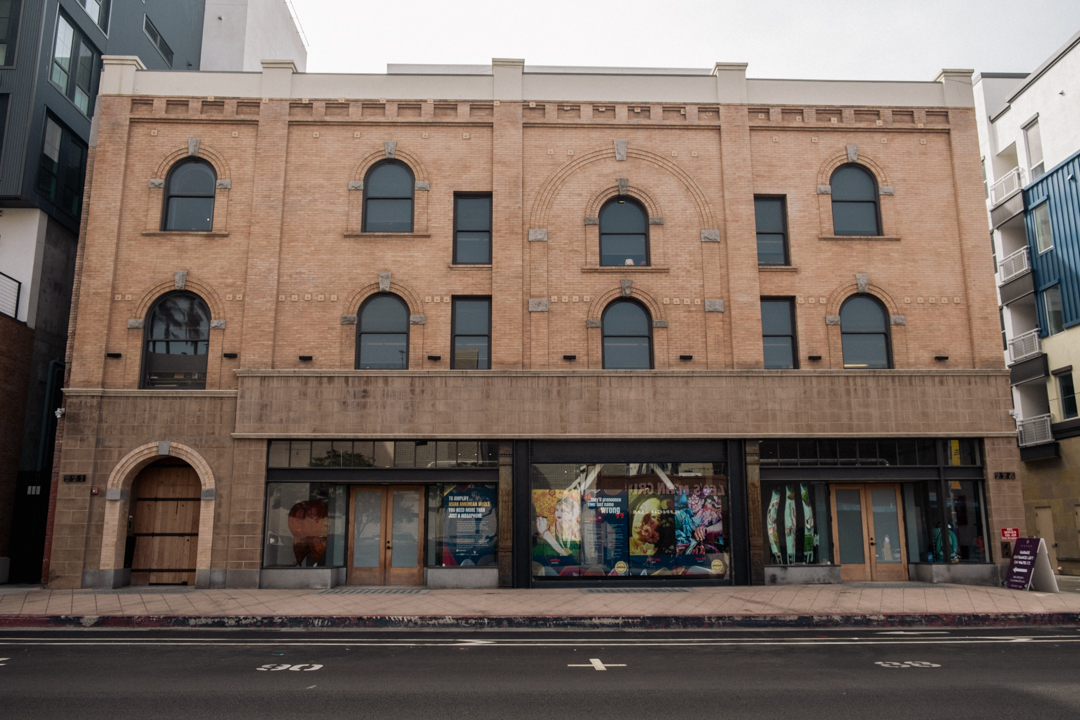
(864, 333)
(383, 334)
(771, 217)
(189, 197)
(778, 334)
(789, 452)
(887, 452)
(177, 339)
(62, 167)
(74, 64)
(854, 202)
(627, 336)
(158, 41)
(388, 198)
(9, 25)
(472, 334)
(624, 233)
(1068, 396)
(98, 10)
(472, 230)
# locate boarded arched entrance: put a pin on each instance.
(163, 525)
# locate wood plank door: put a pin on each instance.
(386, 539)
(166, 526)
(868, 532)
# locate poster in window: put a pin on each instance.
(604, 533)
(556, 532)
(469, 525)
(652, 533)
(699, 531)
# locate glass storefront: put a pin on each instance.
(462, 525)
(630, 520)
(305, 525)
(797, 523)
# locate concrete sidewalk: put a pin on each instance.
(850, 605)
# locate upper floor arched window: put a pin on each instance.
(177, 339)
(855, 202)
(388, 198)
(189, 197)
(382, 334)
(864, 332)
(627, 330)
(624, 233)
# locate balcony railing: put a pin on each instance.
(1023, 347)
(9, 295)
(1006, 187)
(1014, 265)
(1034, 431)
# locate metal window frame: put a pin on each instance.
(369, 196)
(876, 200)
(159, 42)
(108, 15)
(790, 302)
(784, 228)
(78, 39)
(645, 215)
(887, 333)
(604, 335)
(454, 335)
(148, 326)
(68, 139)
(490, 230)
(360, 324)
(13, 29)
(167, 201)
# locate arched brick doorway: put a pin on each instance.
(163, 524)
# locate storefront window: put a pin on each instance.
(630, 519)
(305, 525)
(462, 525)
(964, 513)
(796, 523)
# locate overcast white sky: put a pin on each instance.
(833, 39)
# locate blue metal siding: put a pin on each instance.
(1059, 265)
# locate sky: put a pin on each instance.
(821, 39)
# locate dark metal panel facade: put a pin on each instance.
(1059, 265)
(179, 23)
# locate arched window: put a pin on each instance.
(864, 332)
(627, 332)
(382, 334)
(624, 233)
(177, 340)
(388, 198)
(189, 197)
(854, 202)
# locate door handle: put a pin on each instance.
(872, 541)
(388, 545)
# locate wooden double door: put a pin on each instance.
(165, 526)
(386, 537)
(868, 532)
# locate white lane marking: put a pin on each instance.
(2, 663)
(914, 632)
(908, 664)
(595, 664)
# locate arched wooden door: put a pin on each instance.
(165, 525)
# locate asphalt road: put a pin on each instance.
(736, 674)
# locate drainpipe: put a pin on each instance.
(56, 368)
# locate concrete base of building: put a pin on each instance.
(5, 570)
(802, 575)
(242, 579)
(106, 579)
(461, 578)
(958, 573)
(301, 578)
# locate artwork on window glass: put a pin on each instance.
(557, 532)
(604, 537)
(699, 530)
(305, 525)
(469, 528)
(792, 523)
(652, 532)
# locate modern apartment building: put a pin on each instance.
(1030, 147)
(50, 63)
(527, 326)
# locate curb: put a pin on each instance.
(535, 622)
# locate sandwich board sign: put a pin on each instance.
(1030, 567)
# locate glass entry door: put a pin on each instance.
(868, 532)
(385, 539)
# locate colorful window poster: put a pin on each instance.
(557, 532)
(469, 525)
(699, 531)
(604, 523)
(652, 533)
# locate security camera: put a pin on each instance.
(59, 413)
(1014, 414)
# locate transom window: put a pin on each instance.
(864, 332)
(854, 202)
(627, 330)
(189, 197)
(388, 198)
(624, 233)
(177, 342)
(383, 334)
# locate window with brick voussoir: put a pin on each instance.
(855, 201)
(864, 334)
(627, 331)
(624, 233)
(189, 197)
(382, 340)
(388, 198)
(177, 340)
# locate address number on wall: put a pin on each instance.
(1004, 476)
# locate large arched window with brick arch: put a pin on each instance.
(177, 340)
(864, 333)
(189, 197)
(624, 233)
(627, 330)
(388, 198)
(855, 201)
(382, 334)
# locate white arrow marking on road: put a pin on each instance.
(597, 665)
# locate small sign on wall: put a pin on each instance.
(1010, 534)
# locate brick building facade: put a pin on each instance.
(528, 404)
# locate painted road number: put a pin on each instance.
(908, 664)
(306, 667)
(3, 661)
